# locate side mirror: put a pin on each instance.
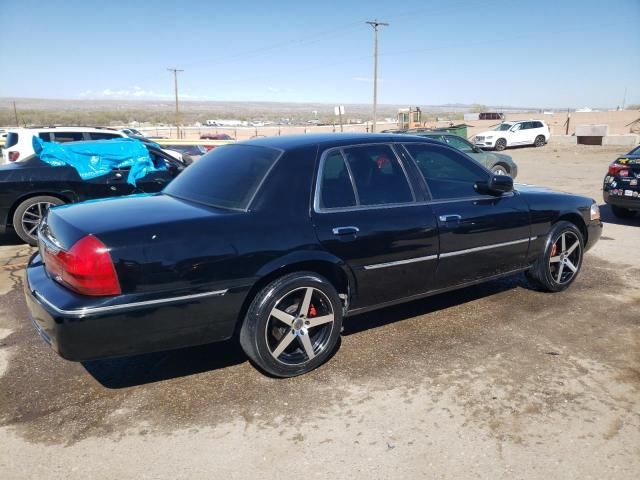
(497, 185)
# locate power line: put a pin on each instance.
(175, 84)
(375, 24)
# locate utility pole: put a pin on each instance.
(15, 113)
(375, 24)
(175, 84)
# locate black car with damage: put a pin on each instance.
(621, 187)
(30, 187)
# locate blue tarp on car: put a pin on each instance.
(99, 157)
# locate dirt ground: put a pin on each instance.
(495, 381)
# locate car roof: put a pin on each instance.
(329, 140)
(63, 129)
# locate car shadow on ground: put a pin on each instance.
(425, 306)
(10, 238)
(607, 216)
(154, 367)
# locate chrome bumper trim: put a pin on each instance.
(87, 311)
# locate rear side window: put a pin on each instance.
(336, 189)
(537, 125)
(11, 140)
(46, 136)
(227, 177)
(447, 173)
(101, 136)
(378, 176)
(64, 137)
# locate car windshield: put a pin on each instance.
(503, 127)
(227, 177)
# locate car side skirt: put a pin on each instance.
(358, 311)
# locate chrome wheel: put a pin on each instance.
(565, 257)
(299, 326)
(32, 217)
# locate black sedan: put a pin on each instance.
(29, 188)
(278, 239)
(621, 187)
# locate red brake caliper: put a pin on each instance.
(312, 311)
(554, 250)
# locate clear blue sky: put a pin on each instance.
(552, 53)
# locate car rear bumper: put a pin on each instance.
(632, 203)
(83, 332)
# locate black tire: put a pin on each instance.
(28, 215)
(500, 169)
(500, 144)
(539, 141)
(277, 346)
(551, 272)
(622, 212)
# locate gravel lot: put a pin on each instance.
(495, 381)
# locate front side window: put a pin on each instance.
(503, 127)
(227, 177)
(102, 136)
(447, 173)
(378, 176)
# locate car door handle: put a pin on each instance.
(350, 230)
(450, 218)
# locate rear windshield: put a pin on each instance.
(12, 139)
(227, 177)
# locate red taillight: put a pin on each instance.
(619, 170)
(14, 156)
(86, 268)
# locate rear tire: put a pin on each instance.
(539, 141)
(501, 144)
(621, 212)
(559, 264)
(292, 325)
(28, 215)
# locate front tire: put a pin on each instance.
(539, 141)
(560, 263)
(29, 214)
(501, 144)
(292, 325)
(500, 169)
(621, 212)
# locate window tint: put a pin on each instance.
(46, 136)
(459, 144)
(378, 176)
(537, 124)
(336, 189)
(227, 177)
(64, 137)
(447, 173)
(101, 136)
